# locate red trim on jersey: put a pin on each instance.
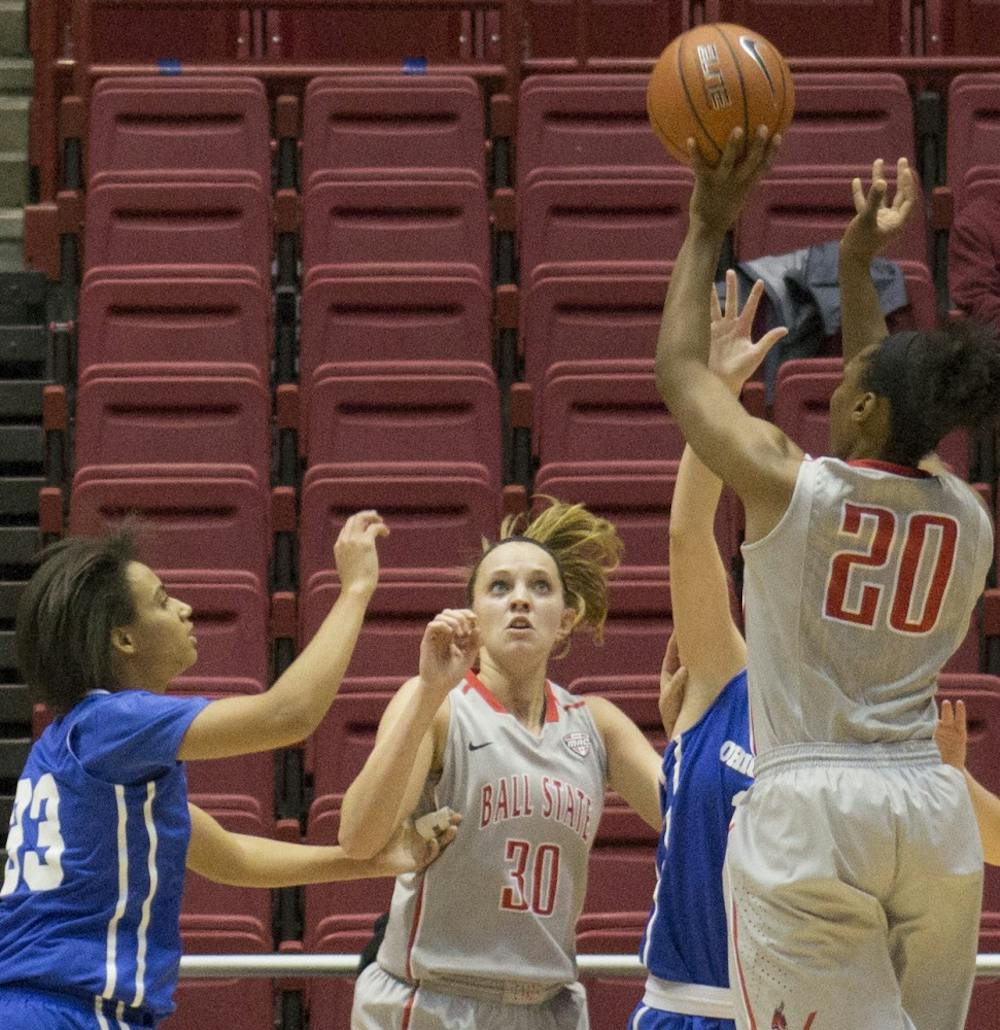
(809, 1022)
(575, 704)
(417, 913)
(408, 1010)
(739, 970)
(473, 682)
(551, 708)
(888, 466)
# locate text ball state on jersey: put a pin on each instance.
(713, 79)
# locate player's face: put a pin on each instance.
(518, 600)
(160, 636)
(843, 427)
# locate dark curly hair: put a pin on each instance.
(77, 596)
(936, 381)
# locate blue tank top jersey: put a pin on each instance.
(685, 937)
(91, 897)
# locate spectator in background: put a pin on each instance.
(974, 259)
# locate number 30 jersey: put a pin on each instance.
(856, 599)
(90, 903)
(495, 916)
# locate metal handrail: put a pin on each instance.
(335, 964)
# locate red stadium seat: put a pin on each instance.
(395, 316)
(636, 496)
(249, 778)
(802, 409)
(845, 120)
(329, 998)
(784, 214)
(200, 1000)
(816, 28)
(635, 635)
(388, 648)
(216, 318)
(571, 217)
(575, 313)
(346, 897)
(371, 125)
(557, 30)
(339, 748)
(611, 999)
(604, 411)
(437, 513)
(594, 122)
(404, 412)
(123, 419)
(960, 28)
(230, 620)
(193, 123)
(206, 898)
(423, 220)
(973, 133)
(345, 31)
(173, 221)
(986, 990)
(203, 517)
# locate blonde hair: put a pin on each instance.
(584, 547)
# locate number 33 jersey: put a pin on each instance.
(91, 895)
(495, 916)
(857, 598)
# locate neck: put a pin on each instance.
(522, 693)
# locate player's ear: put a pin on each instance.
(121, 641)
(570, 617)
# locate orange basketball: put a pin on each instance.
(712, 79)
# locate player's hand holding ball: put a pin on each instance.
(719, 98)
(355, 552)
(448, 649)
(409, 850)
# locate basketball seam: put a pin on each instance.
(743, 86)
(670, 140)
(690, 103)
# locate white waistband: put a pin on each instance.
(689, 999)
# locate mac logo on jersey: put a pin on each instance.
(749, 44)
(578, 743)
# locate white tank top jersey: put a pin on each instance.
(495, 916)
(856, 599)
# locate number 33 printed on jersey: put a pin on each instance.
(40, 864)
(925, 567)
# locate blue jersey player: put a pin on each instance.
(709, 759)
(101, 828)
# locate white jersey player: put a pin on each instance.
(854, 864)
(487, 941)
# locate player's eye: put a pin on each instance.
(498, 586)
(542, 586)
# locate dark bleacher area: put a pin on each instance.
(300, 257)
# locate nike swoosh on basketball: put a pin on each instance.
(476, 747)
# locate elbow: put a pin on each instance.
(665, 380)
(352, 838)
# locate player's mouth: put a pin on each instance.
(519, 623)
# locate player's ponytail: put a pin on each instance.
(935, 381)
(585, 548)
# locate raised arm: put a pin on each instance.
(294, 706)
(709, 642)
(751, 455)
(389, 786)
(247, 861)
(876, 223)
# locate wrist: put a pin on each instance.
(359, 591)
(856, 253)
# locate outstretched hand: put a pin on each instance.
(733, 355)
(448, 649)
(877, 221)
(720, 190)
(409, 852)
(952, 733)
(355, 552)
(673, 682)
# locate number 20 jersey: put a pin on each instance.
(857, 598)
(499, 908)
